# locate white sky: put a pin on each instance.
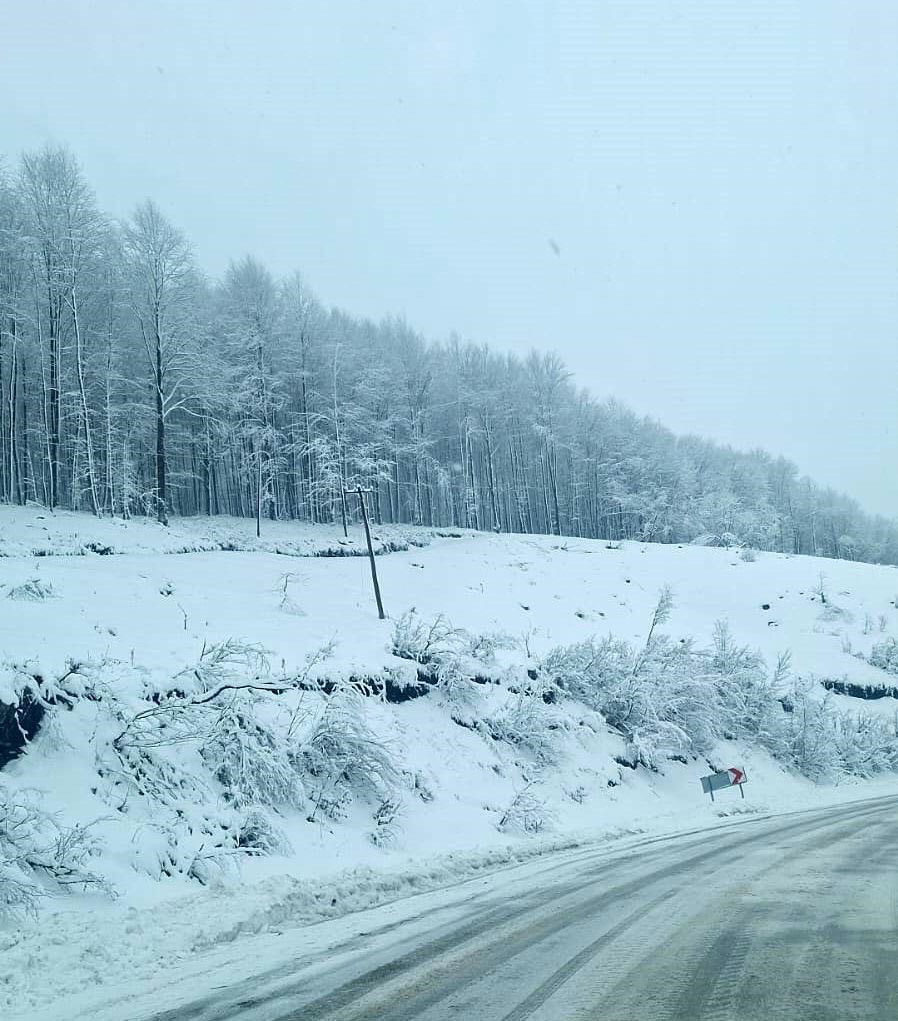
(719, 177)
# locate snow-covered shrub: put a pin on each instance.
(287, 603)
(257, 835)
(343, 758)
(825, 744)
(35, 590)
(748, 555)
(671, 700)
(250, 760)
(866, 744)
(430, 642)
(668, 696)
(884, 655)
(224, 664)
(587, 669)
(661, 698)
(524, 721)
(482, 647)
(747, 692)
(448, 656)
(38, 856)
(167, 721)
(422, 642)
(268, 742)
(163, 767)
(807, 740)
(187, 828)
(204, 693)
(386, 822)
(722, 538)
(525, 814)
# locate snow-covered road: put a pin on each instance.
(789, 918)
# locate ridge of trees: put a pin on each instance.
(130, 383)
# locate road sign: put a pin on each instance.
(731, 777)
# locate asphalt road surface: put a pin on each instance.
(775, 920)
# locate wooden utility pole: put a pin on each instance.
(380, 605)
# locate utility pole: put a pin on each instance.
(380, 605)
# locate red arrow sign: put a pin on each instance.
(735, 775)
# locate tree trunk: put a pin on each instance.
(82, 398)
(161, 461)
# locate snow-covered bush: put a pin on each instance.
(35, 590)
(669, 696)
(525, 721)
(808, 737)
(884, 654)
(661, 698)
(386, 822)
(825, 744)
(722, 538)
(483, 646)
(747, 692)
(423, 642)
(178, 775)
(169, 755)
(342, 757)
(224, 664)
(671, 699)
(38, 856)
(257, 835)
(448, 656)
(267, 743)
(866, 744)
(432, 642)
(250, 760)
(588, 669)
(526, 813)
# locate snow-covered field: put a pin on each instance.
(133, 625)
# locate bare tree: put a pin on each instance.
(263, 403)
(251, 311)
(162, 285)
(64, 230)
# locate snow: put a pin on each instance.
(547, 589)
(142, 612)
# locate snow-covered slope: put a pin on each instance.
(141, 647)
(160, 609)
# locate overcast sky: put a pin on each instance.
(694, 203)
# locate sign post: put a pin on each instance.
(731, 777)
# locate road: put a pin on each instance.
(792, 919)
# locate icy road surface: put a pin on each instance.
(790, 918)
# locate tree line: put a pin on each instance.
(131, 383)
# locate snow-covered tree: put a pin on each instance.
(264, 403)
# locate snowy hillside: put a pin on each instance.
(204, 735)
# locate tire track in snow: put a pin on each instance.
(468, 965)
(719, 958)
(526, 1008)
(768, 962)
(276, 992)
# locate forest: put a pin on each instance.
(133, 384)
